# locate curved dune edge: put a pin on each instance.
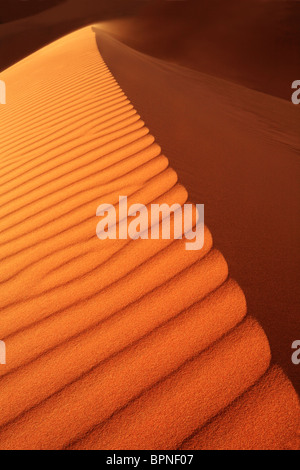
(114, 344)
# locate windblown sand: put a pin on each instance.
(116, 344)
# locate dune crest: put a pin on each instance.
(115, 344)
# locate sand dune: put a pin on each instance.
(254, 42)
(164, 415)
(242, 149)
(116, 344)
(43, 23)
(246, 424)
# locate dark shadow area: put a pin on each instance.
(252, 42)
(11, 10)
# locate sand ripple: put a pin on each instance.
(118, 344)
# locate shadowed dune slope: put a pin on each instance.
(237, 151)
(115, 344)
(255, 43)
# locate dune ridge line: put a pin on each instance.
(114, 344)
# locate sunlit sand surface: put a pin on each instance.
(116, 344)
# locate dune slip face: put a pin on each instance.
(114, 344)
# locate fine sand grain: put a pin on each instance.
(115, 344)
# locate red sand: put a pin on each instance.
(116, 344)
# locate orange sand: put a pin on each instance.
(255, 421)
(163, 416)
(237, 151)
(114, 344)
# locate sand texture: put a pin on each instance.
(115, 344)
